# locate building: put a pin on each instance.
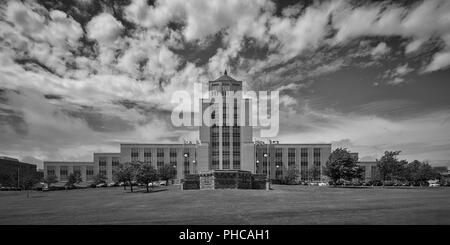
(370, 172)
(12, 171)
(222, 145)
(62, 170)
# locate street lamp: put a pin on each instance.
(266, 156)
(194, 166)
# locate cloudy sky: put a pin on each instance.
(78, 77)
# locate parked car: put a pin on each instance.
(323, 183)
(101, 185)
(434, 185)
(163, 182)
(113, 184)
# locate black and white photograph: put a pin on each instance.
(224, 112)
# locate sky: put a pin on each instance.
(81, 76)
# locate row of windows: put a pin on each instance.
(64, 171)
(148, 154)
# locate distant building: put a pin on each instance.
(227, 146)
(12, 171)
(370, 170)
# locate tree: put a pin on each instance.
(50, 179)
(29, 181)
(146, 174)
(127, 173)
(412, 171)
(99, 179)
(119, 176)
(167, 172)
(291, 176)
(389, 167)
(342, 165)
(74, 178)
(419, 172)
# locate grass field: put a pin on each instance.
(282, 205)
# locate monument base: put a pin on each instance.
(224, 179)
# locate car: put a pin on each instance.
(323, 183)
(101, 185)
(434, 185)
(163, 182)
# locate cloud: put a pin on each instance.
(380, 50)
(370, 135)
(440, 61)
(397, 76)
(201, 18)
(72, 65)
(104, 28)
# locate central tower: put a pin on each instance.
(226, 142)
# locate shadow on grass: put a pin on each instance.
(145, 191)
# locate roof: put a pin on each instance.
(225, 78)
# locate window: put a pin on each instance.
(173, 153)
(291, 158)
(316, 156)
(134, 154)
(226, 136)
(236, 137)
(102, 161)
(102, 165)
(50, 170)
(159, 157)
(173, 157)
(215, 164)
(278, 163)
(236, 163)
(115, 162)
(214, 137)
(147, 155)
(102, 172)
(89, 172)
(304, 163)
(226, 160)
(63, 172)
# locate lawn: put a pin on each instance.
(282, 205)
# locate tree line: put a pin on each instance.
(130, 173)
(143, 173)
(343, 166)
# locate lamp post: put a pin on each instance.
(184, 165)
(194, 166)
(266, 156)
